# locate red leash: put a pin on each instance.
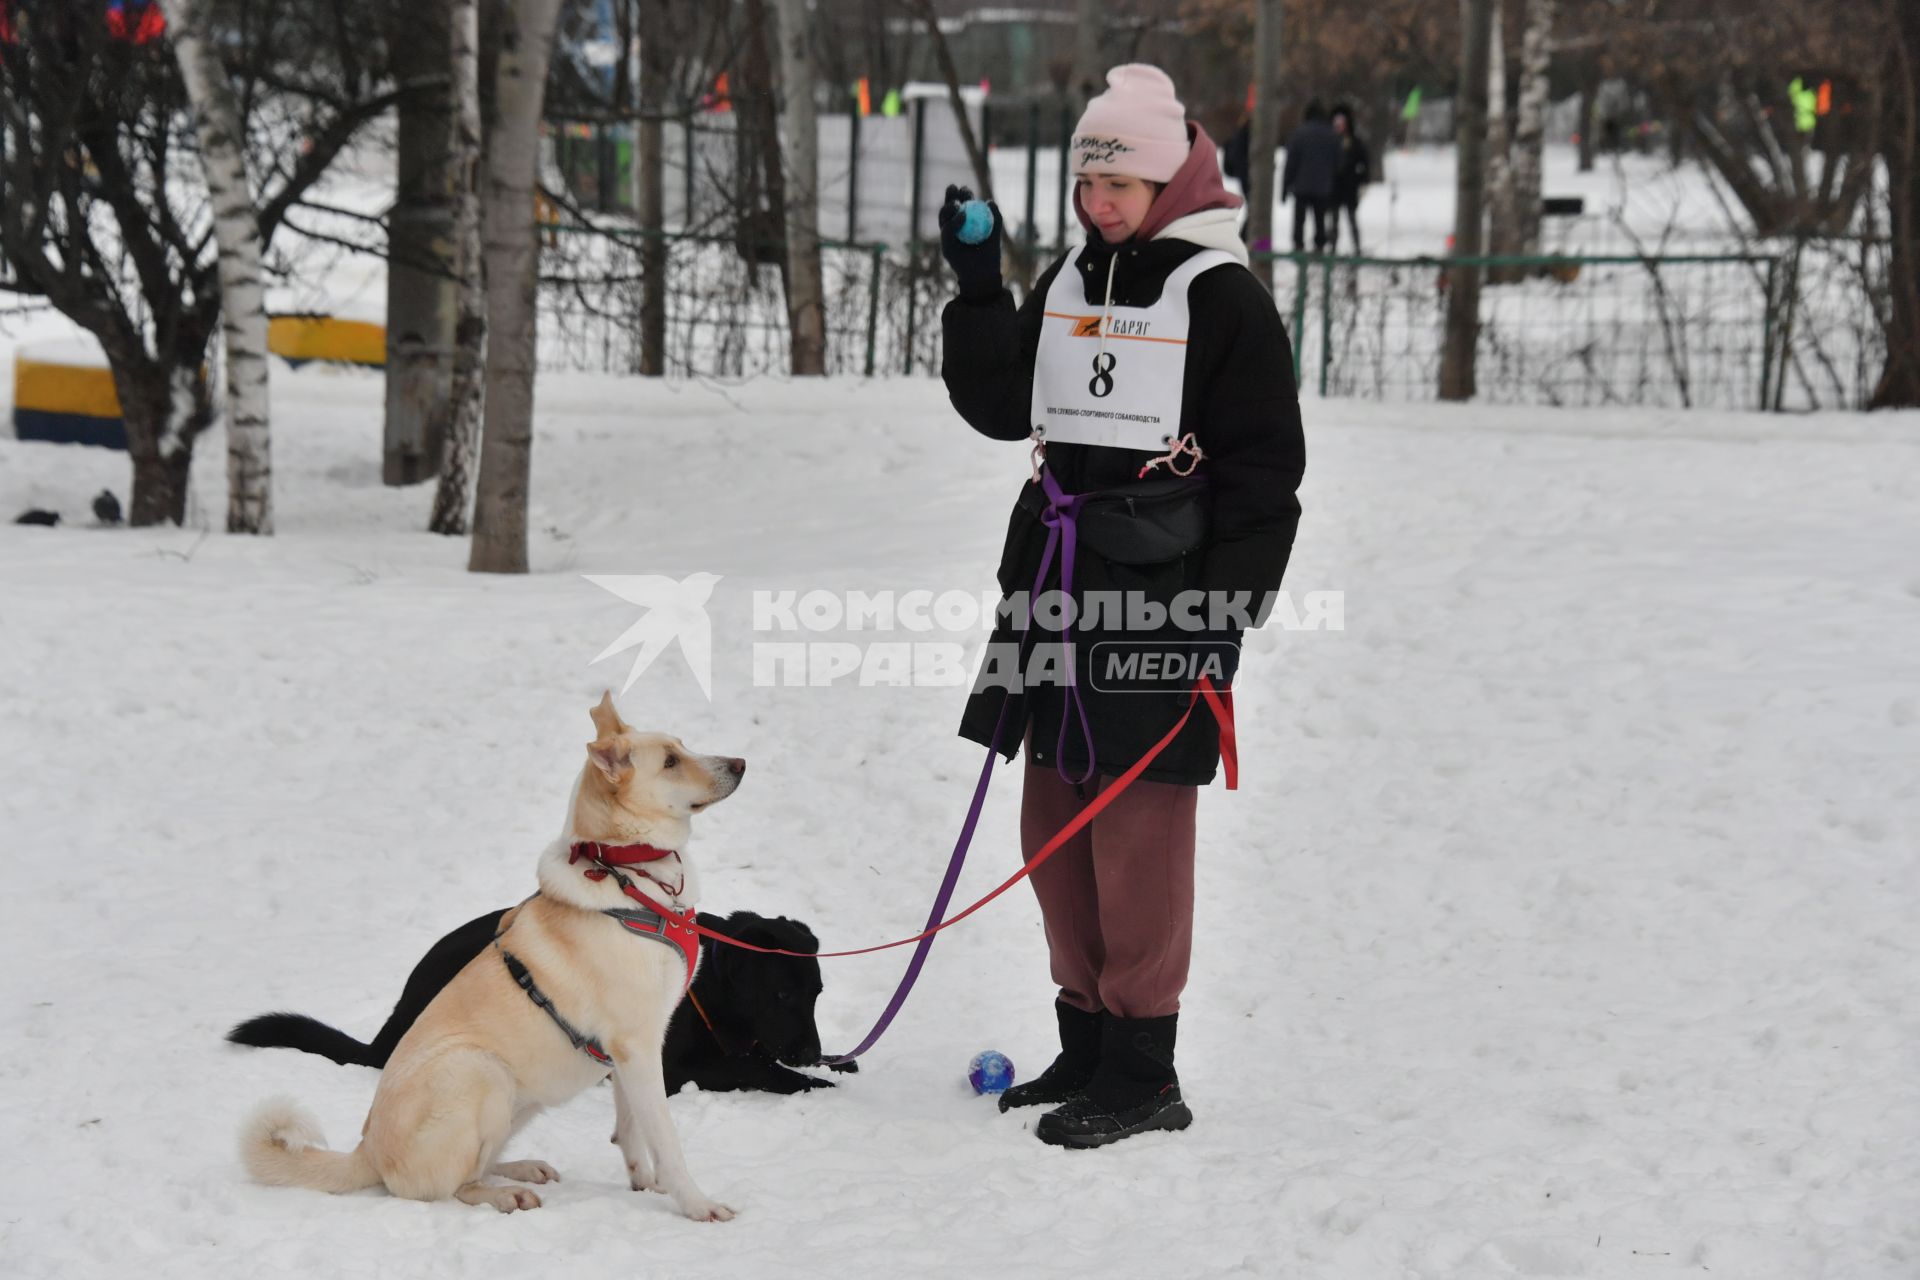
(1221, 704)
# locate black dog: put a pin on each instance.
(747, 1014)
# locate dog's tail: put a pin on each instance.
(281, 1146)
(309, 1035)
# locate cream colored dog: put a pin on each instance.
(484, 1056)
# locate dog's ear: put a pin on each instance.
(613, 756)
(794, 935)
(606, 720)
(749, 926)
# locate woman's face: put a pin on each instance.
(1117, 204)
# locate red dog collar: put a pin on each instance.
(616, 855)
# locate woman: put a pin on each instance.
(1355, 172)
(1150, 351)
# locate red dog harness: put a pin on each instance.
(653, 919)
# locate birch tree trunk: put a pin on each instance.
(236, 231)
(512, 257)
(467, 396)
(806, 306)
(1516, 226)
(1499, 138)
(1530, 127)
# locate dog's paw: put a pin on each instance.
(844, 1066)
(505, 1199)
(707, 1211)
(815, 1082)
(527, 1171)
(517, 1198)
(640, 1178)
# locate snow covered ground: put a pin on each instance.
(1562, 925)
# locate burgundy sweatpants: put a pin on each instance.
(1117, 899)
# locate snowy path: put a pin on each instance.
(1563, 925)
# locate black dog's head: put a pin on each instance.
(763, 1000)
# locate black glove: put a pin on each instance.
(976, 266)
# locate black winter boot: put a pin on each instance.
(1070, 1072)
(1133, 1091)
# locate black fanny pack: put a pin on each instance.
(1142, 522)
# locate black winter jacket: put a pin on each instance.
(1356, 171)
(1240, 403)
(1313, 162)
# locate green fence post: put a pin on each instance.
(1060, 186)
(1033, 156)
(853, 176)
(686, 154)
(913, 228)
(1326, 320)
(1778, 393)
(1299, 315)
(1766, 330)
(873, 303)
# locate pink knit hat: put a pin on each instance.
(1136, 128)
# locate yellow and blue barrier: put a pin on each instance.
(64, 394)
(298, 339)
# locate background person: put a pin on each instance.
(1354, 172)
(1313, 162)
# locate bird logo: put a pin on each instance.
(674, 610)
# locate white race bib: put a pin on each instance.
(1123, 393)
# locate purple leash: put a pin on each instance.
(1062, 518)
(1059, 518)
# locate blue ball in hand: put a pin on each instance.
(976, 222)
(990, 1072)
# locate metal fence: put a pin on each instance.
(1553, 331)
(1796, 329)
(1793, 329)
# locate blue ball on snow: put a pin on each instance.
(990, 1072)
(976, 222)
